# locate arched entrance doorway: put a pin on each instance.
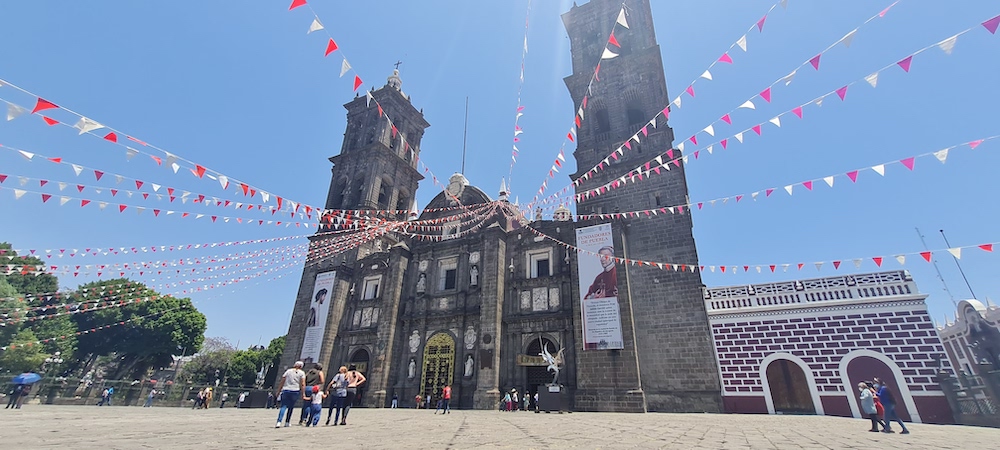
(360, 360)
(789, 388)
(867, 368)
(536, 376)
(439, 365)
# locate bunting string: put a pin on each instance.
(519, 111)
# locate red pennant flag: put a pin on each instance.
(296, 4)
(815, 61)
(111, 137)
(42, 183)
(986, 247)
(121, 208)
(797, 111)
(878, 261)
(199, 171)
(772, 268)
(42, 104)
(98, 174)
(56, 160)
(614, 41)
(908, 162)
(330, 47)
(992, 24)
(84, 203)
(50, 121)
(727, 119)
(853, 175)
(926, 256)
(836, 264)
(138, 184)
(800, 265)
(842, 92)
(357, 82)
(723, 269)
(766, 95)
(45, 197)
(905, 63)
(570, 137)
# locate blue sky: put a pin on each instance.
(241, 88)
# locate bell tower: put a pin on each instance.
(668, 363)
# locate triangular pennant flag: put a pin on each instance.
(797, 111)
(739, 137)
(86, 125)
(926, 256)
(842, 92)
(974, 144)
(707, 75)
(331, 47)
(315, 25)
(829, 181)
(621, 18)
(905, 63)
(613, 41)
(760, 23)
(836, 264)
(853, 175)
(986, 247)
(789, 189)
(49, 121)
(766, 95)
(878, 261)
(808, 184)
(776, 121)
(846, 40)
(872, 79)
(815, 61)
(42, 104)
(956, 252)
(948, 45)
(941, 155)
(344, 67)
(742, 42)
(608, 54)
(13, 111)
(296, 4)
(879, 169)
(991, 25)
(857, 263)
(18, 193)
(690, 90)
(726, 58)
(710, 130)
(788, 78)
(727, 119)
(357, 83)
(901, 259)
(819, 266)
(748, 105)
(908, 162)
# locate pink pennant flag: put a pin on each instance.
(693, 139)
(853, 175)
(614, 41)
(842, 92)
(992, 24)
(727, 119)
(905, 63)
(666, 112)
(768, 193)
(760, 24)
(726, 58)
(815, 61)
(756, 129)
(908, 162)
(766, 95)
(797, 111)
(974, 144)
(690, 90)
(808, 185)
(725, 143)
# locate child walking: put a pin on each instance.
(316, 407)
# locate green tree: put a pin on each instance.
(30, 281)
(271, 357)
(215, 358)
(22, 355)
(11, 308)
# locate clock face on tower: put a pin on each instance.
(455, 187)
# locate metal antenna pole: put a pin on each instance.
(936, 269)
(959, 266)
(465, 134)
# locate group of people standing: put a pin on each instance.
(313, 388)
(16, 396)
(514, 401)
(879, 405)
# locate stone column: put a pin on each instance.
(492, 276)
(382, 358)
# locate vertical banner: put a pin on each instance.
(319, 304)
(598, 275)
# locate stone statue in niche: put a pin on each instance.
(422, 283)
(469, 366)
(414, 341)
(411, 370)
(474, 276)
(470, 337)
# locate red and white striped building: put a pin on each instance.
(801, 347)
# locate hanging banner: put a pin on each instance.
(319, 304)
(598, 275)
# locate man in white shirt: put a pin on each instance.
(293, 385)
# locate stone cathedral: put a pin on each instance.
(474, 309)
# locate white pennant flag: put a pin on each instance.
(86, 125)
(23, 180)
(776, 121)
(872, 79)
(344, 67)
(901, 259)
(677, 102)
(956, 252)
(819, 101)
(608, 54)
(62, 185)
(368, 99)
(710, 130)
(156, 187)
(63, 200)
(707, 75)
(819, 266)
(948, 45)
(18, 193)
(742, 42)
(857, 263)
(315, 26)
(748, 105)
(788, 78)
(739, 137)
(119, 179)
(829, 181)
(680, 146)
(77, 169)
(224, 181)
(130, 153)
(784, 4)
(846, 40)
(941, 155)
(621, 18)
(653, 122)
(13, 111)
(710, 148)
(879, 169)
(789, 189)
(26, 155)
(175, 167)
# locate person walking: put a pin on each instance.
(314, 377)
(338, 386)
(446, 400)
(270, 401)
(888, 401)
(355, 380)
(416, 401)
(868, 405)
(315, 405)
(506, 401)
(222, 402)
(293, 386)
(513, 399)
(25, 393)
(395, 401)
(13, 395)
(207, 403)
(149, 399)
(239, 402)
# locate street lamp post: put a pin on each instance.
(51, 362)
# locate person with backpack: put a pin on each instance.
(314, 377)
(338, 386)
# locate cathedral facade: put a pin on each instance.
(471, 296)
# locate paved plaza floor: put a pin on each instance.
(85, 427)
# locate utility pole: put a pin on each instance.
(959, 266)
(938, 270)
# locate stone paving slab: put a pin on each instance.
(121, 427)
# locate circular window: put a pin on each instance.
(487, 339)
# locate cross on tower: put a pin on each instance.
(397, 64)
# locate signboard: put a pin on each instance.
(319, 305)
(528, 360)
(598, 275)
